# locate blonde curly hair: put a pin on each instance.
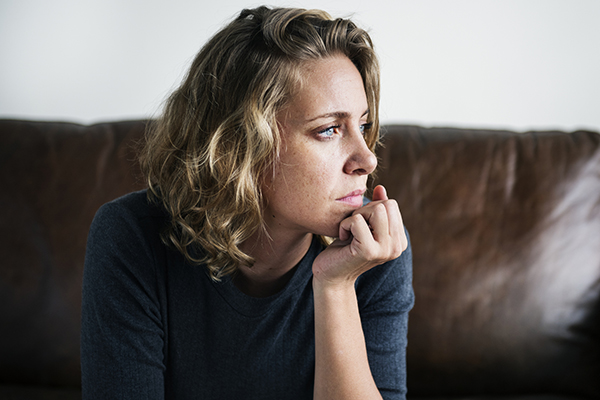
(218, 137)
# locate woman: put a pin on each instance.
(216, 282)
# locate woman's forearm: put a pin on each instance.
(341, 364)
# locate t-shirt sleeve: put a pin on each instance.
(385, 297)
(122, 332)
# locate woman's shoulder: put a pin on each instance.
(128, 218)
(136, 203)
(124, 241)
(132, 206)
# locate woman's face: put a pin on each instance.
(322, 171)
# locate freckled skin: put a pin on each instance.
(317, 168)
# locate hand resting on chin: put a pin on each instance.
(372, 235)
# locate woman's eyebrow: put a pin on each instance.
(337, 114)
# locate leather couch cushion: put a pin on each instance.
(505, 230)
(54, 176)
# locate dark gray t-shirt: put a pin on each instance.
(157, 327)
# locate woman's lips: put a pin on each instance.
(354, 198)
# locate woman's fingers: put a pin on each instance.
(357, 228)
(385, 223)
(377, 217)
(372, 235)
(379, 193)
(396, 224)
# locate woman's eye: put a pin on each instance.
(328, 132)
(365, 127)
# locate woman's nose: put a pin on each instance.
(361, 160)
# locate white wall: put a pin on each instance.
(517, 64)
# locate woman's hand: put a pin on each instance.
(372, 235)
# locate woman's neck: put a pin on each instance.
(275, 259)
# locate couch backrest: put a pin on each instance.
(505, 230)
(53, 178)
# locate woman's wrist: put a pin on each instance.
(327, 285)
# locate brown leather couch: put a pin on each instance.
(505, 230)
